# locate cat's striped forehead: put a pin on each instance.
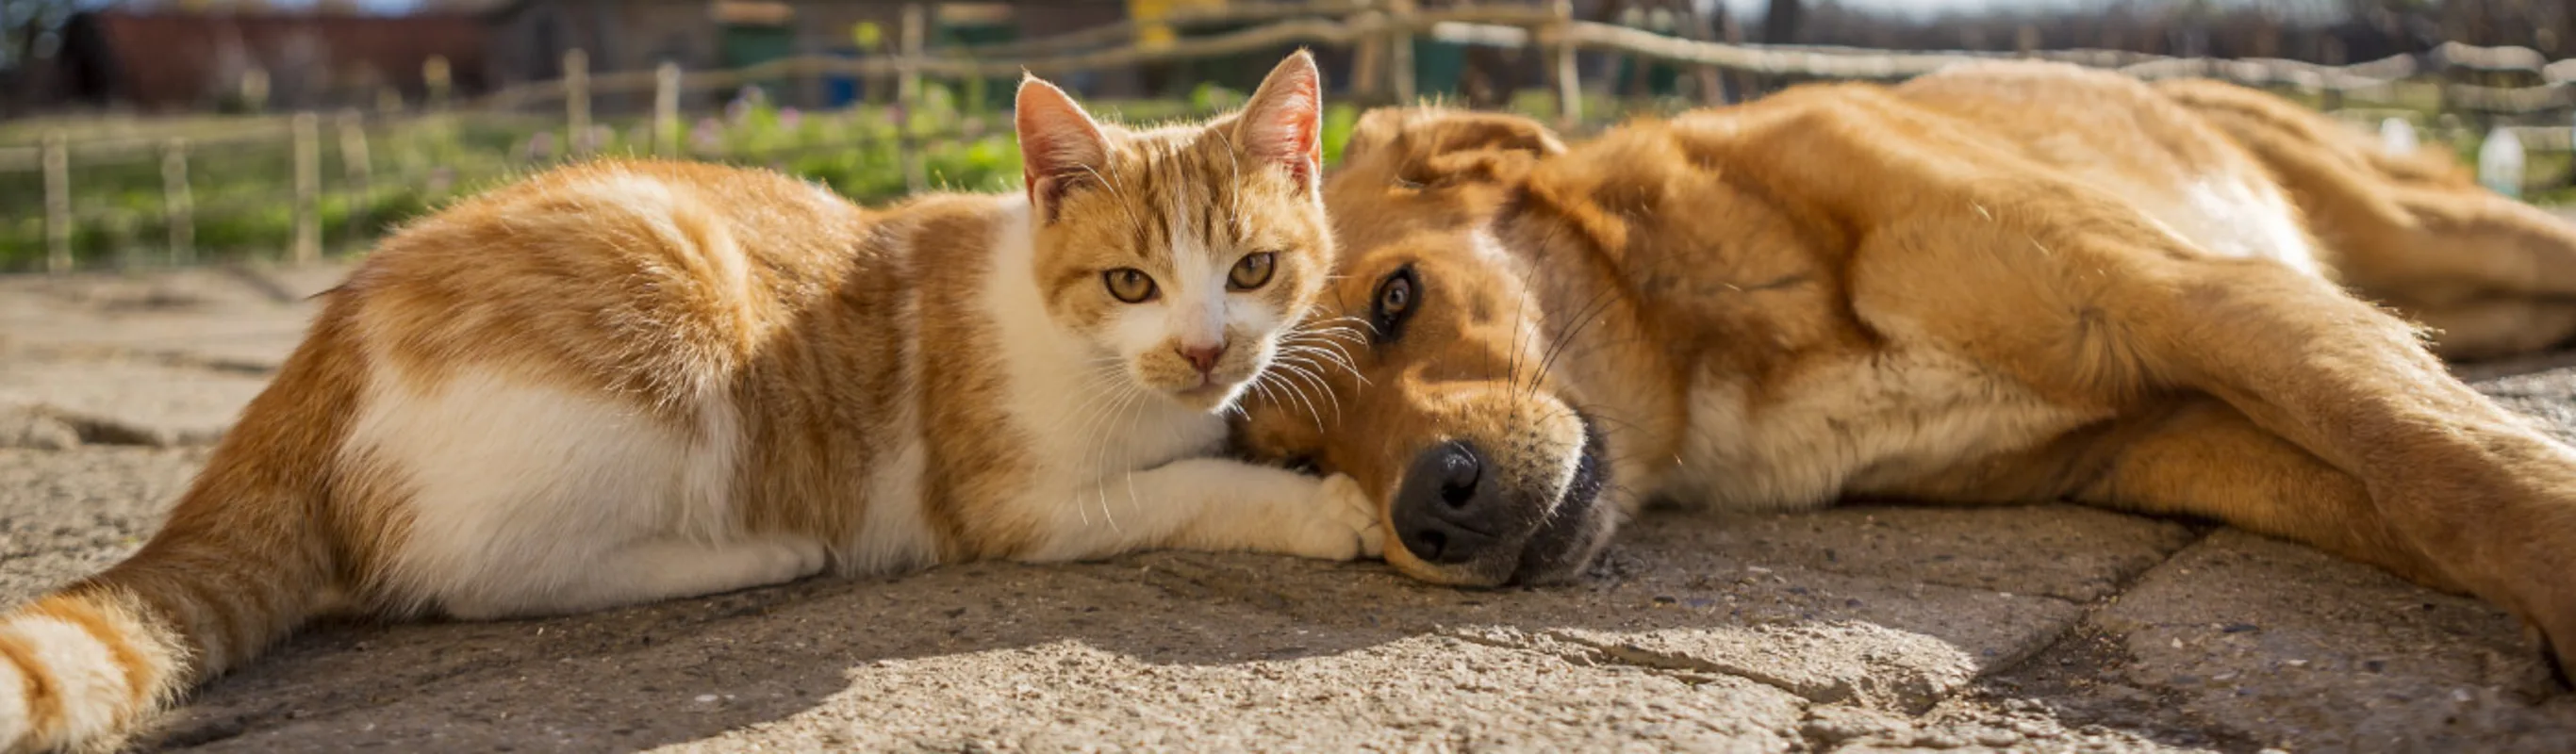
(1188, 190)
(1182, 205)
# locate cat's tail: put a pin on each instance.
(245, 558)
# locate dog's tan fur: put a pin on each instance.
(2005, 282)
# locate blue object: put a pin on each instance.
(841, 90)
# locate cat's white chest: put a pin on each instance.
(1086, 430)
(1081, 417)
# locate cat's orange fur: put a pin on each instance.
(628, 381)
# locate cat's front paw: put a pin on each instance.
(1344, 523)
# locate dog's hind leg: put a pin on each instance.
(2415, 227)
(2196, 456)
(2496, 328)
(2107, 312)
(2491, 276)
(2488, 501)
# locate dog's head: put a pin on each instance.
(1425, 377)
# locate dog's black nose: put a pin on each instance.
(1447, 505)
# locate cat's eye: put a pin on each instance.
(1252, 271)
(1129, 284)
(1394, 304)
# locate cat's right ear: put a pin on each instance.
(1282, 123)
(1060, 146)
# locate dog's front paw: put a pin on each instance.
(1341, 522)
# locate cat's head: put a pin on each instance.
(1186, 251)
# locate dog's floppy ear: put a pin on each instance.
(1436, 146)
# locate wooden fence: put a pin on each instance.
(1378, 29)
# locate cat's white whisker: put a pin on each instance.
(1321, 386)
(1329, 352)
(1299, 393)
(1329, 356)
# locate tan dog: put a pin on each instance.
(2006, 282)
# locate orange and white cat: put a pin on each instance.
(626, 382)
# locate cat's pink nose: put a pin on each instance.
(1203, 357)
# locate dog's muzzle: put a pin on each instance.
(1453, 511)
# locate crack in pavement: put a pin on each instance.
(1688, 670)
(276, 291)
(92, 429)
(1691, 670)
(1640, 657)
(175, 359)
(1839, 691)
(2091, 609)
(2085, 626)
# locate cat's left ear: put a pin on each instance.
(1283, 122)
(1060, 146)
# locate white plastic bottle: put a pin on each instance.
(2398, 136)
(2500, 163)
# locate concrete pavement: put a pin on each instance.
(1860, 629)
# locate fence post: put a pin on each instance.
(2439, 64)
(359, 169)
(809, 78)
(308, 189)
(178, 206)
(1399, 50)
(434, 80)
(58, 202)
(1747, 85)
(254, 89)
(916, 176)
(666, 109)
(576, 67)
(1569, 86)
(1367, 60)
(2332, 99)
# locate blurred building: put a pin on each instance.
(529, 37)
(173, 59)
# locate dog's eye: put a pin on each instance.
(1396, 298)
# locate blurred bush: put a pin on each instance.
(243, 195)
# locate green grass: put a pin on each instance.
(243, 192)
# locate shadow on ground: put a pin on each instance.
(1864, 628)
(1695, 645)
